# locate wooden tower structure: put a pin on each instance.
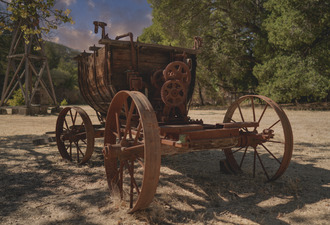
(27, 70)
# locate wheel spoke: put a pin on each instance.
(242, 117)
(79, 149)
(84, 141)
(180, 69)
(140, 162)
(81, 126)
(118, 126)
(73, 119)
(66, 124)
(253, 110)
(77, 152)
(133, 183)
(254, 162)
(263, 112)
(241, 163)
(128, 121)
(270, 153)
(233, 120)
(114, 133)
(121, 169)
(240, 112)
(69, 147)
(137, 135)
(131, 170)
(278, 142)
(246, 129)
(274, 124)
(71, 150)
(262, 165)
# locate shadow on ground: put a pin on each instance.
(218, 194)
(33, 179)
(36, 182)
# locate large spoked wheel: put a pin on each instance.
(266, 147)
(75, 135)
(132, 149)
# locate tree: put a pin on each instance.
(32, 16)
(279, 48)
(229, 30)
(29, 19)
(4, 49)
(299, 68)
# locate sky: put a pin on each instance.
(121, 17)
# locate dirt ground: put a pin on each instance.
(38, 187)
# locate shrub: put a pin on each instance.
(17, 99)
(64, 102)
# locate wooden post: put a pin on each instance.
(22, 66)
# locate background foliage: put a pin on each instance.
(63, 69)
(35, 18)
(278, 48)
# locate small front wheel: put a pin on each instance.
(75, 135)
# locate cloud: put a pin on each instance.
(67, 2)
(91, 4)
(55, 39)
(122, 20)
(149, 16)
(121, 17)
(75, 39)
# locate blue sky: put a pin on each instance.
(121, 16)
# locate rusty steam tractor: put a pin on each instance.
(141, 93)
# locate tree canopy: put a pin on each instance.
(34, 18)
(279, 48)
(31, 16)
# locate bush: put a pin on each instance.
(18, 98)
(64, 102)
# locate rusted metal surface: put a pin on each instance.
(75, 135)
(131, 126)
(141, 91)
(129, 65)
(98, 24)
(275, 139)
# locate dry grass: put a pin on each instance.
(38, 187)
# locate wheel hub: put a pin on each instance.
(254, 138)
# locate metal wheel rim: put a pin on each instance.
(152, 154)
(88, 140)
(284, 121)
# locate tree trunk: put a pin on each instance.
(201, 99)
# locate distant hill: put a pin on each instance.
(56, 51)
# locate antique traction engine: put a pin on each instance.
(141, 94)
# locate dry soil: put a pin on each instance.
(38, 187)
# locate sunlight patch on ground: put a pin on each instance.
(274, 201)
